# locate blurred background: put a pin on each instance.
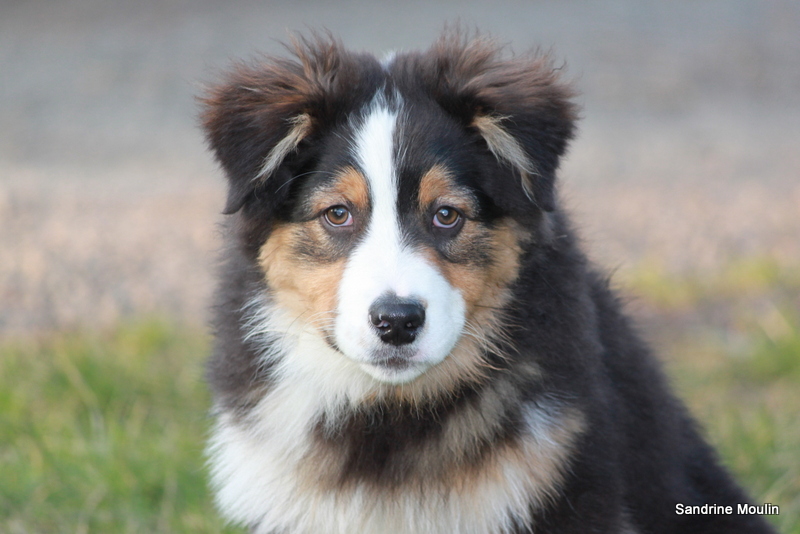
(684, 182)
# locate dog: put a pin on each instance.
(408, 338)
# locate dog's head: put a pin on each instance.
(389, 204)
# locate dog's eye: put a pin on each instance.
(339, 216)
(446, 217)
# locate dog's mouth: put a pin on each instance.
(394, 360)
(395, 366)
(396, 357)
(394, 363)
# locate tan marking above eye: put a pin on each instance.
(349, 189)
(352, 185)
(437, 188)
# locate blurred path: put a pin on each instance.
(688, 153)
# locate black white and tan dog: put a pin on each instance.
(408, 338)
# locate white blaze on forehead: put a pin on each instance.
(383, 264)
(374, 152)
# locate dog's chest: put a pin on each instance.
(272, 472)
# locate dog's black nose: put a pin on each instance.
(397, 320)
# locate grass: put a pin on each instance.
(104, 432)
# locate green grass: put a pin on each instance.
(104, 432)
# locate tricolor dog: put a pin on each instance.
(408, 338)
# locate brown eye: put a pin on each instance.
(446, 217)
(339, 216)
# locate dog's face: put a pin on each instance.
(388, 205)
(391, 247)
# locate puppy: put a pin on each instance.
(408, 338)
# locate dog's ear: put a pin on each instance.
(518, 106)
(258, 117)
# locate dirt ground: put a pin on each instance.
(688, 155)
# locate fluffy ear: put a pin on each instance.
(258, 117)
(518, 106)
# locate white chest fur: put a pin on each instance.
(260, 473)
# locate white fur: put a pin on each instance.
(256, 464)
(296, 353)
(383, 264)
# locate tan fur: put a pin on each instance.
(486, 287)
(305, 288)
(308, 289)
(349, 188)
(437, 186)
